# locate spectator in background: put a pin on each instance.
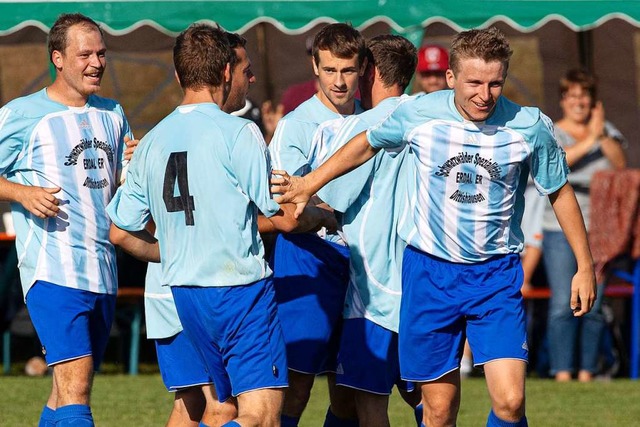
(433, 62)
(591, 144)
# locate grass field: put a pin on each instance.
(123, 401)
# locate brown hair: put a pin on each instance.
(342, 40)
(395, 58)
(200, 56)
(489, 45)
(57, 38)
(581, 77)
(235, 41)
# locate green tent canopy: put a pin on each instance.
(297, 16)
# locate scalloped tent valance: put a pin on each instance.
(296, 16)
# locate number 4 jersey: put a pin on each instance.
(202, 175)
(44, 143)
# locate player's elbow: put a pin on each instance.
(117, 235)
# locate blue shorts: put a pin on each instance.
(181, 363)
(442, 300)
(368, 358)
(310, 277)
(70, 323)
(237, 330)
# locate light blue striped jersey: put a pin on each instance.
(47, 144)
(160, 313)
(294, 148)
(371, 198)
(202, 175)
(470, 177)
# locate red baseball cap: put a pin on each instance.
(432, 58)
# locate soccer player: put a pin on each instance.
(472, 149)
(311, 271)
(181, 365)
(61, 157)
(372, 204)
(202, 175)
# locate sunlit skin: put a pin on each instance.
(477, 86)
(576, 104)
(431, 81)
(241, 79)
(338, 81)
(80, 67)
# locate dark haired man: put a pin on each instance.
(201, 172)
(311, 272)
(63, 150)
(183, 370)
(461, 273)
(372, 202)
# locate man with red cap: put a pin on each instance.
(433, 62)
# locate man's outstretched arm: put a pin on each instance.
(299, 190)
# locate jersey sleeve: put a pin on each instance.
(12, 138)
(290, 147)
(251, 165)
(129, 208)
(390, 132)
(548, 163)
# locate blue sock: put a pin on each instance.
(201, 424)
(231, 424)
(333, 421)
(494, 421)
(47, 417)
(287, 421)
(74, 416)
(418, 411)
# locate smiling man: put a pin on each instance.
(61, 157)
(461, 275)
(311, 272)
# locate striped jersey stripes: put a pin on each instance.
(470, 177)
(47, 144)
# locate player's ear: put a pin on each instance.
(451, 78)
(56, 58)
(363, 67)
(227, 73)
(175, 73)
(315, 66)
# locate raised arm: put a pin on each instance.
(583, 284)
(299, 190)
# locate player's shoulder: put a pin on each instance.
(516, 116)
(33, 106)
(105, 104)
(427, 106)
(312, 112)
